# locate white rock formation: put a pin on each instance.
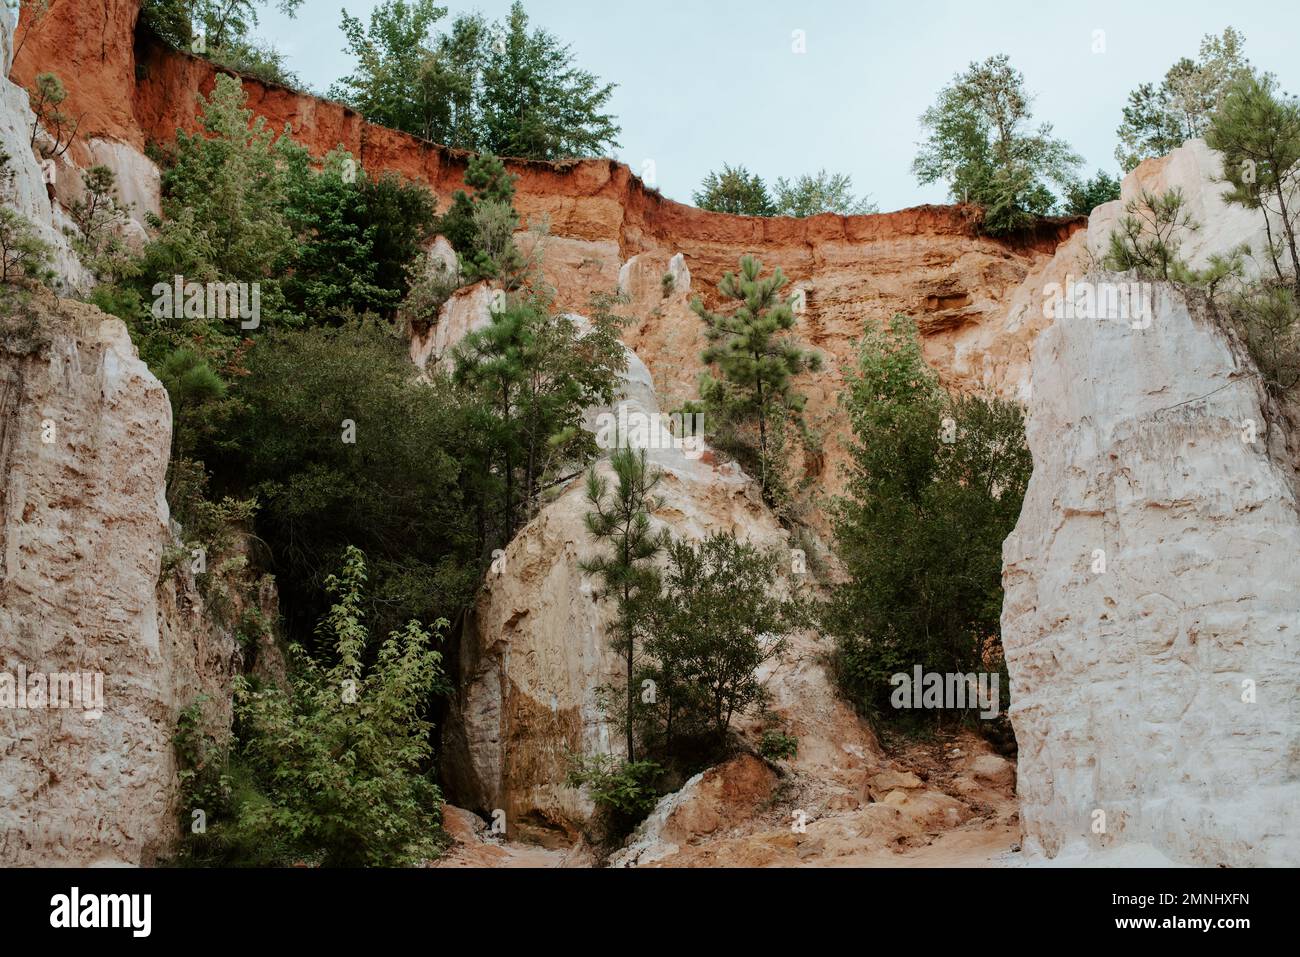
(467, 310)
(85, 434)
(1154, 701)
(26, 191)
(1193, 168)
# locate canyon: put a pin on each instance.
(1126, 685)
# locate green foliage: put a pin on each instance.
(717, 621)
(333, 770)
(735, 191)
(481, 227)
(1081, 198)
(1268, 316)
(755, 362)
(980, 141)
(497, 88)
(1158, 119)
(535, 103)
(398, 80)
(46, 98)
(400, 492)
(358, 236)
(778, 746)
(1257, 129)
(23, 254)
(534, 372)
(1149, 236)
(257, 59)
(823, 193)
(624, 788)
(219, 24)
(621, 521)
(920, 528)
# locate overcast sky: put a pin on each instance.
(701, 82)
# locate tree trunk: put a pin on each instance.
(1290, 236)
(762, 438)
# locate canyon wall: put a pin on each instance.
(1152, 609)
(85, 432)
(928, 261)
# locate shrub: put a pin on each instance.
(736, 191)
(334, 769)
(1149, 236)
(481, 227)
(933, 488)
(402, 491)
(23, 254)
(625, 790)
(716, 622)
(778, 746)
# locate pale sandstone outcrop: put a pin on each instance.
(538, 648)
(1154, 703)
(467, 310)
(26, 190)
(1193, 168)
(83, 528)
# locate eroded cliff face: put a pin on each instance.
(928, 261)
(85, 431)
(1152, 614)
(538, 647)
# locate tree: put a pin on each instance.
(718, 620)
(538, 372)
(934, 485)
(358, 235)
(979, 141)
(486, 88)
(47, 97)
(220, 23)
(221, 31)
(822, 193)
(481, 227)
(735, 191)
(1081, 198)
(1158, 119)
(394, 83)
(334, 768)
(754, 360)
(536, 103)
(622, 521)
(1257, 130)
(401, 483)
(224, 201)
(22, 252)
(1149, 236)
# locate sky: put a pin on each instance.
(703, 82)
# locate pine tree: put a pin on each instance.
(735, 190)
(535, 103)
(1158, 119)
(754, 360)
(623, 522)
(480, 227)
(1258, 132)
